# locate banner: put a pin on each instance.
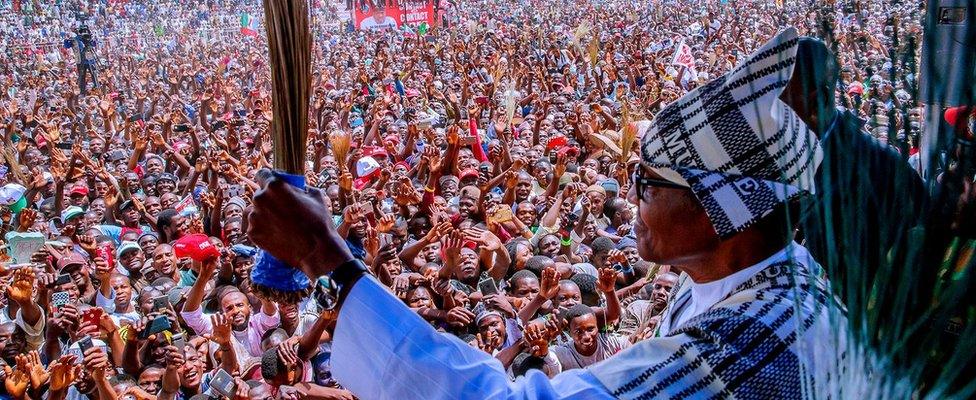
(393, 14)
(249, 24)
(683, 56)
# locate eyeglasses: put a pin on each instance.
(641, 183)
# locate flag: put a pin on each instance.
(422, 29)
(249, 25)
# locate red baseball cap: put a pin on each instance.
(469, 172)
(197, 247)
(79, 190)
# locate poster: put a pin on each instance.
(683, 56)
(393, 14)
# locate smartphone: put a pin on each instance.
(84, 344)
(161, 303)
(181, 128)
(178, 340)
(224, 384)
(487, 287)
(502, 214)
(58, 300)
(481, 101)
(424, 124)
(159, 324)
(63, 279)
(64, 145)
(92, 315)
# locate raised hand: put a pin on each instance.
(21, 291)
(17, 379)
(537, 339)
(288, 354)
(38, 375)
(459, 317)
(26, 218)
(607, 280)
(549, 285)
(385, 223)
(486, 239)
(451, 245)
(103, 270)
(221, 330)
(87, 243)
(63, 372)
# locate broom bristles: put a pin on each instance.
(290, 50)
(341, 141)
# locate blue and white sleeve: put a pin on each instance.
(382, 350)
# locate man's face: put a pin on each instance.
(165, 186)
(12, 342)
(419, 297)
(168, 200)
(492, 323)
(154, 166)
(131, 216)
(466, 206)
(568, 295)
(662, 286)
(237, 308)
(526, 214)
(671, 225)
(468, 269)
(148, 243)
(78, 275)
(132, 259)
(192, 369)
(449, 188)
(596, 202)
(152, 206)
(584, 332)
(523, 188)
(132, 179)
(164, 260)
(233, 232)
(150, 379)
(549, 246)
(431, 252)
(526, 288)
(632, 255)
(123, 291)
(398, 236)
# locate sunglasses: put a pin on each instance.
(641, 183)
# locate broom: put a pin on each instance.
(290, 48)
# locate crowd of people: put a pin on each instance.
(485, 185)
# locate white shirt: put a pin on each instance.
(705, 295)
(372, 23)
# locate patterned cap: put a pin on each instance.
(739, 148)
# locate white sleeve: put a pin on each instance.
(106, 304)
(382, 350)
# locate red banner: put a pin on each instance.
(393, 14)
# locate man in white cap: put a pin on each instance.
(752, 317)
